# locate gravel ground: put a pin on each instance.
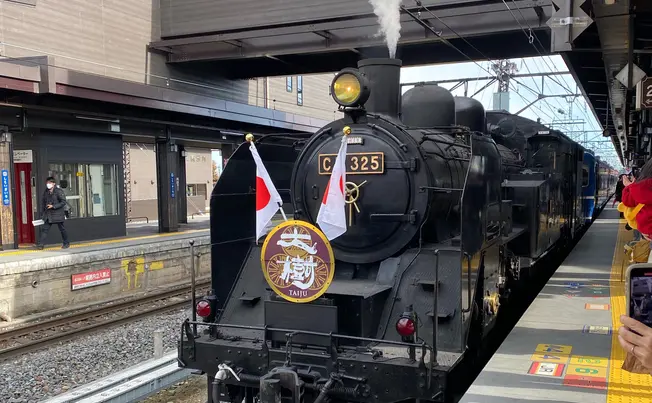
(191, 391)
(46, 373)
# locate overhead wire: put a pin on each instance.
(531, 38)
(418, 2)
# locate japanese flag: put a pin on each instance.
(268, 201)
(332, 214)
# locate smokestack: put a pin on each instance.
(384, 77)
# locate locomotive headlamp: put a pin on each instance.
(349, 88)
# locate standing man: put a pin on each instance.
(53, 204)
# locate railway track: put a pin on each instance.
(131, 384)
(40, 335)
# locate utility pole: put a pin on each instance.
(504, 70)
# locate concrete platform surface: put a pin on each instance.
(565, 347)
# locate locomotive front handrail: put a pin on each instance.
(439, 189)
(468, 281)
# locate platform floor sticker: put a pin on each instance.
(585, 382)
(587, 372)
(546, 369)
(605, 330)
(589, 361)
(550, 357)
(553, 348)
(597, 307)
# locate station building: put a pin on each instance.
(84, 99)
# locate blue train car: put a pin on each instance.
(589, 185)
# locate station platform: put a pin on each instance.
(565, 347)
(34, 281)
(137, 233)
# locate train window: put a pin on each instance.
(288, 84)
(585, 177)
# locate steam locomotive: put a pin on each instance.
(454, 205)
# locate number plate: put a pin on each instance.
(356, 163)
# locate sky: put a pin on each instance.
(568, 113)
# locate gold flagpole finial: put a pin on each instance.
(346, 130)
(249, 137)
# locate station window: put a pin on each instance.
(288, 84)
(91, 189)
(197, 189)
(299, 90)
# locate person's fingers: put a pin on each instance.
(627, 346)
(636, 326)
(630, 336)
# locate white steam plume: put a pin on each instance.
(389, 18)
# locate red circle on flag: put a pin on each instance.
(262, 194)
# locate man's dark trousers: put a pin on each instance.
(46, 228)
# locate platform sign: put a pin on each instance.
(90, 279)
(23, 157)
(646, 93)
(5, 187)
(173, 185)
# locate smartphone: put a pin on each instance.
(639, 292)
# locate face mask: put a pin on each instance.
(50, 185)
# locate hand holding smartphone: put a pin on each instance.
(639, 292)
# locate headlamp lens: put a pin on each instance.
(346, 88)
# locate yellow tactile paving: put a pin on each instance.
(623, 386)
(96, 243)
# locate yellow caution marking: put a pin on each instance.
(156, 265)
(98, 243)
(623, 386)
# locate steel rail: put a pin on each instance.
(59, 336)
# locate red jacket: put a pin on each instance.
(640, 193)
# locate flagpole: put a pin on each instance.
(283, 213)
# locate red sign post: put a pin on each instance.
(90, 279)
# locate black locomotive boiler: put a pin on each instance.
(448, 208)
